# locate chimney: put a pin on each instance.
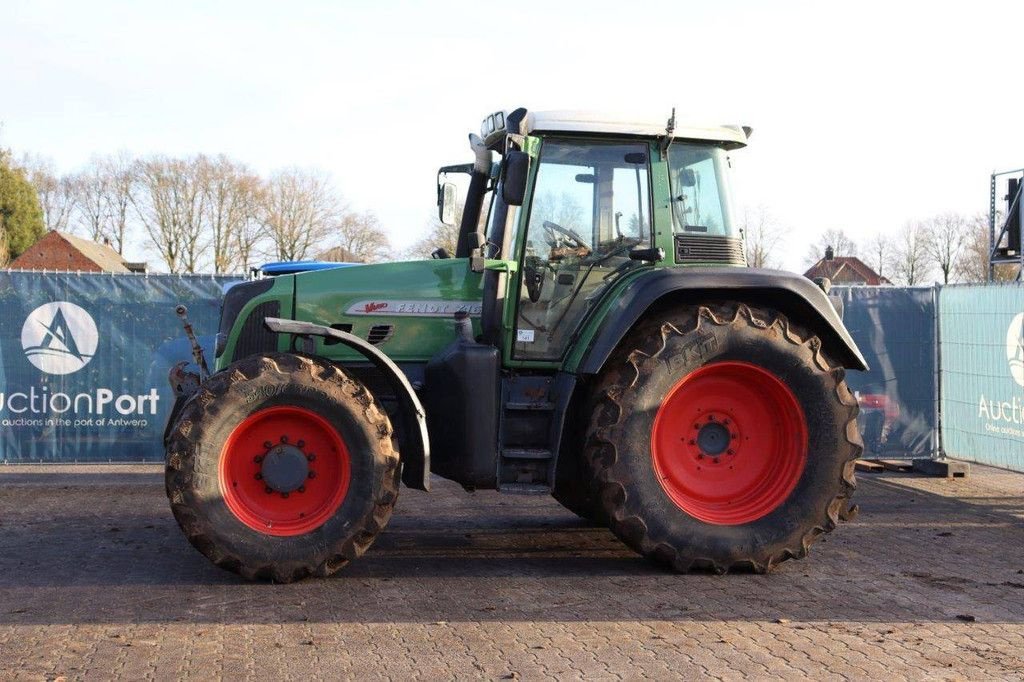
(830, 253)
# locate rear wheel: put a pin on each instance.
(723, 438)
(281, 466)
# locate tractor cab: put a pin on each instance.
(579, 202)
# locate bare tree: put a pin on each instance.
(762, 237)
(103, 204)
(841, 244)
(362, 236)
(946, 240)
(911, 261)
(297, 211)
(57, 193)
(250, 234)
(229, 191)
(170, 206)
(92, 200)
(880, 251)
(438, 236)
(120, 171)
(973, 265)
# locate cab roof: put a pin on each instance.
(567, 121)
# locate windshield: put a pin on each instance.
(700, 189)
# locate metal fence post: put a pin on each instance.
(938, 450)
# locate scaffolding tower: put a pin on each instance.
(1005, 246)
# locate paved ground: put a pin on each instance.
(96, 580)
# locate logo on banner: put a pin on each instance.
(59, 337)
(1015, 348)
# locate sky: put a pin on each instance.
(865, 115)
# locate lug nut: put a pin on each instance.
(716, 460)
(267, 444)
(312, 474)
(284, 495)
(310, 457)
(729, 452)
(284, 439)
(711, 417)
(259, 476)
(301, 443)
(258, 458)
(269, 490)
(693, 442)
(302, 488)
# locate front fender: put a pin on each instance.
(414, 445)
(793, 295)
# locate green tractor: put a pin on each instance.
(596, 336)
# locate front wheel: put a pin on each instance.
(281, 466)
(724, 438)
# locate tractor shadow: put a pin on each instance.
(93, 552)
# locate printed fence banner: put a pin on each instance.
(982, 374)
(895, 330)
(84, 361)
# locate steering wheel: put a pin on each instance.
(551, 228)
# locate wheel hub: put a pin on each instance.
(284, 468)
(713, 438)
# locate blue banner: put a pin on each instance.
(84, 361)
(895, 330)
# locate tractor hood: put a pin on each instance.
(407, 309)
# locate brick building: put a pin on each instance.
(62, 251)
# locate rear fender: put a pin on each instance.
(795, 296)
(414, 443)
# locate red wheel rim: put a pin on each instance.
(729, 443)
(284, 471)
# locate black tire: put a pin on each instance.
(577, 494)
(196, 444)
(652, 359)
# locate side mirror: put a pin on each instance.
(517, 170)
(447, 194)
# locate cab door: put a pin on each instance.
(589, 207)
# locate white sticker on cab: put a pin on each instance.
(524, 336)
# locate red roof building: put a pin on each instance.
(845, 270)
(65, 252)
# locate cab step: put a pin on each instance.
(538, 406)
(525, 489)
(525, 453)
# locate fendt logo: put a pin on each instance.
(59, 337)
(1015, 348)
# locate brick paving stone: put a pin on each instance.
(96, 582)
